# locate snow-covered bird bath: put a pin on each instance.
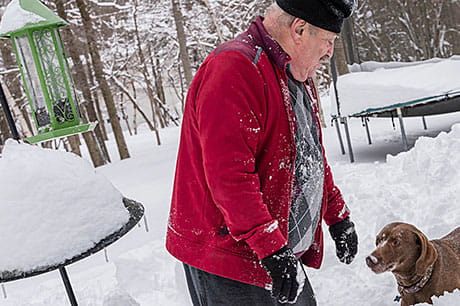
(53, 206)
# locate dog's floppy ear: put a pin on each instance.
(428, 254)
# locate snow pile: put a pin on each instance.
(420, 187)
(445, 300)
(15, 17)
(432, 162)
(378, 193)
(119, 297)
(373, 65)
(384, 87)
(53, 206)
(159, 279)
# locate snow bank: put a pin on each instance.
(377, 193)
(15, 17)
(53, 206)
(373, 65)
(159, 279)
(420, 187)
(119, 297)
(451, 299)
(384, 87)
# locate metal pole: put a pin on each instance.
(334, 82)
(68, 286)
(347, 133)
(424, 123)
(334, 79)
(337, 128)
(403, 131)
(146, 223)
(367, 130)
(4, 291)
(9, 117)
(106, 255)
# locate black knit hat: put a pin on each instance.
(325, 14)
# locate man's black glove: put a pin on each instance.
(282, 268)
(346, 240)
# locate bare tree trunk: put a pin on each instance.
(340, 58)
(99, 153)
(320, 107)
(94, 94)
(182, 39)
(158, 79)
(133, 100)
(13, 84)
(18, 114)
(74, 142)
(125, 116)
(93, 150)
(452, 13)
(373, 43)
(150, 93)
(160, 90)
(134, 108)
(4, 128)
(214, 21)
(99, 72)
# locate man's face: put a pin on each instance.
(315, 47)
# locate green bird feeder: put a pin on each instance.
(34, 33)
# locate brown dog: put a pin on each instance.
(422, 268)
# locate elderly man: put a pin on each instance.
(252, 183)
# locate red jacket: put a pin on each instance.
(235, 165)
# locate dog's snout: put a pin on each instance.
(371, 260)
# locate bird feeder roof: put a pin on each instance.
(22, 15)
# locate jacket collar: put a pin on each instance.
(259, 35)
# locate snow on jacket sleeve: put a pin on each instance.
(227, 107)
(336, 208)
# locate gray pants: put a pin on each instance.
(207, 289)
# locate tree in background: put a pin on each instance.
(101, 79)
(121, 48)
(405, 30)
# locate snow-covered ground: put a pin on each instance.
(421, 187)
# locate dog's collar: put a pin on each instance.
(418, 285)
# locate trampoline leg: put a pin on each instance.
(424, 123)
(106, 255)
(146, 223)
(339, 135)
(367, 130)
(68, 286)
(347, 133)
(403, 131)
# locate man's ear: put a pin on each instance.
(298, 27)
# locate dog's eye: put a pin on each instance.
(395, 242)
